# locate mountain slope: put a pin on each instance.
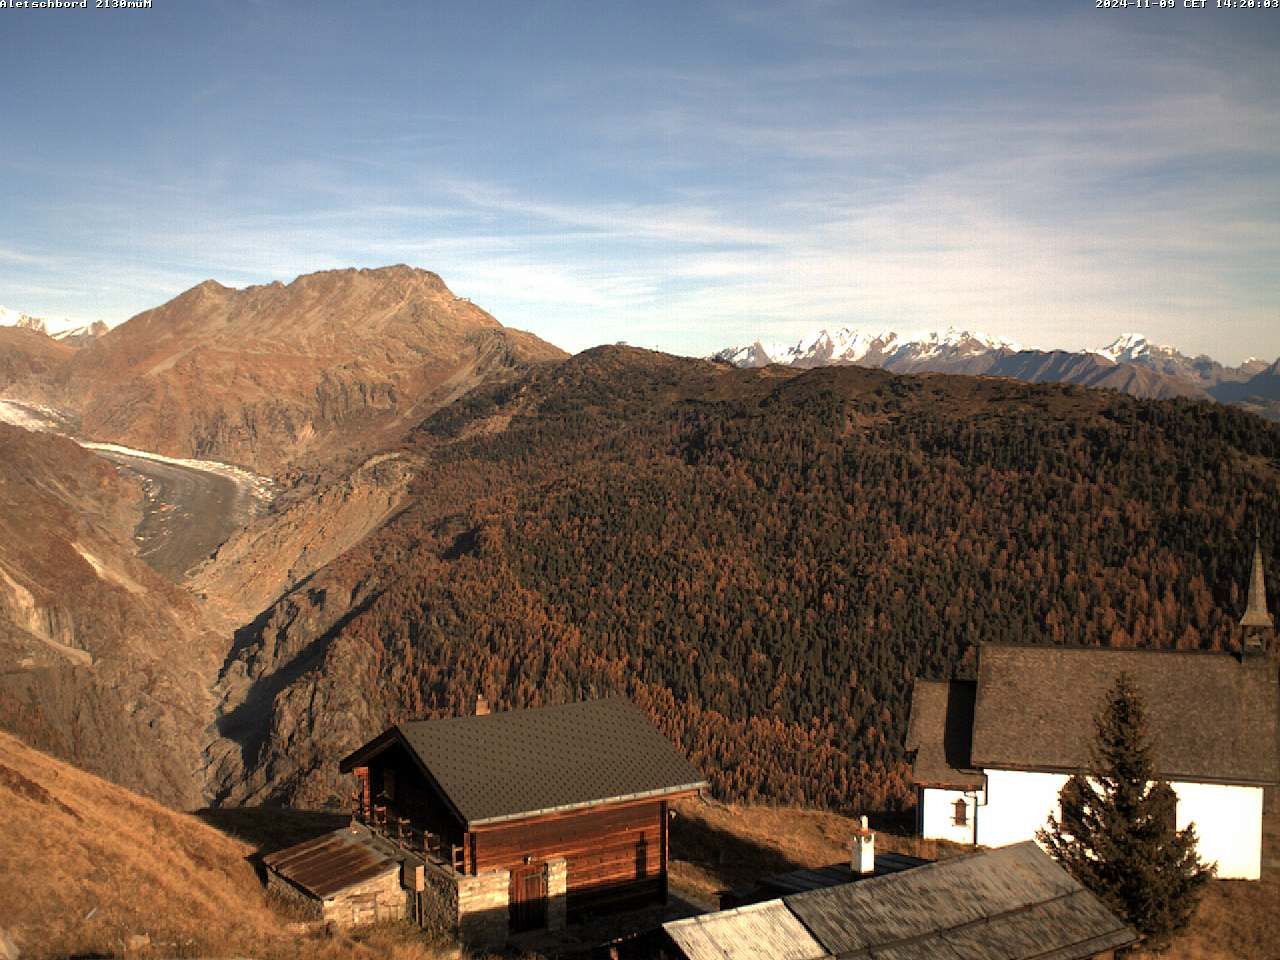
(277, 374)
(89, 867)
(99, 864)
(1091, 370)
(762, 559)
(32, 365)
(104, 659)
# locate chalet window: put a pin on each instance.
(389, 784)
(961, 818)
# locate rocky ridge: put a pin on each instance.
(1130, 364)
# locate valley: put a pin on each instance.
(190, 510)
(190, 506)
(762, 558)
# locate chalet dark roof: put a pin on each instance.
(939, 733)
(1011, 903)
(504, 766)
(1211, 717)
(327, 865)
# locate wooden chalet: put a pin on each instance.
(526, 819)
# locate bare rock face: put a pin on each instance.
(280, 374)
(109, 664)
(305, 533)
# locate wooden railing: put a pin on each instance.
(401, 831)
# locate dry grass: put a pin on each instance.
(86, 865)
(1239, 920)
(718, 846)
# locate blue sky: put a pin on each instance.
(685, 176)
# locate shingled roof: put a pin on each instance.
(939, 734)
(505, 766)
(1211, 717)
(1011, 903)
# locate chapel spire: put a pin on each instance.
(1257, 622)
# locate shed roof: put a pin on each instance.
(939, 733)
(505, 766)
(797, 881)
(329, 864)
(762, 931)
(1011, 903)
(1211, 717)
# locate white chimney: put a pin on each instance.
(863, 861)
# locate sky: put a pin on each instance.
(685, 176)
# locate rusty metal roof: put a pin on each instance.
(327, 865)
(507, 766)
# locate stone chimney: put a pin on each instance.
(482, 705)
(863, 860)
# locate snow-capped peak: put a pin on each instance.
(16, 318)
(866, 345)
(58, 329)
(1129, 347)
(954, 339)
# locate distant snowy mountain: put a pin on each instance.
(872, 348)
(16, 318)
(66, 330)
(1131, 363)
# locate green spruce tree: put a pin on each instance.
(1117, 834)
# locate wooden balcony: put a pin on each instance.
(385, 820)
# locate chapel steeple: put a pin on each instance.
(1256, 622)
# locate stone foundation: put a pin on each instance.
(473, 909)
(307, 907)
(439, 900)
(557, 893)
(483, 918)
(381, 898)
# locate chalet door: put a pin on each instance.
(527, 897)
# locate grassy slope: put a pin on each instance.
(72, 845)
(717, 846)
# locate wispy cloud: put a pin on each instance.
(1044, 174)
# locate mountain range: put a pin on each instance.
(752, 554)
(1131, 363)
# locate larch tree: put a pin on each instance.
(1117, 832)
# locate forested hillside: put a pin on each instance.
(763, 559)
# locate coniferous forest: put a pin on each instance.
(763, 560)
